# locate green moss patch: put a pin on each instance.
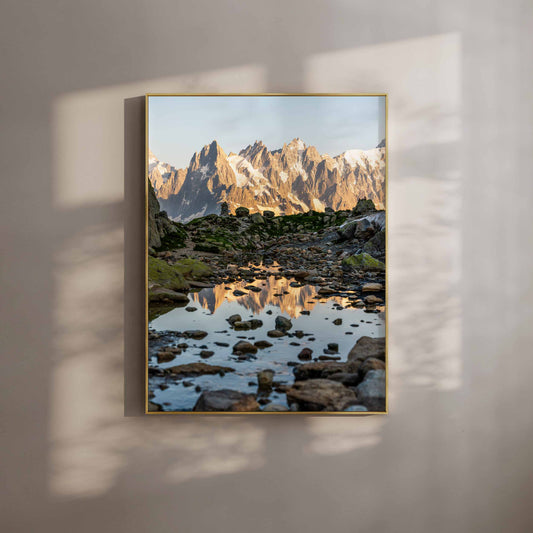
(192, 269)
(363, 261)
(165, 275)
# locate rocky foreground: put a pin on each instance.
(340, 253)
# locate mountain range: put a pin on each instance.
(293, 179)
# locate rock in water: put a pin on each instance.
(275, 333)
(264, 379)
(244, 347)
(372, 391)
(242, 325)
(321, 395)
(234, 318)
(263, 344)
(371, 363)
(165, 356)
(160, 294)
(226, 400)
(337, 321)
(305, 354)
(283, 324)
(195, 334)
(198, 369)
(154, 407)
(324, 369)
(372, 287)
(367, 347)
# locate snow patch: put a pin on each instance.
(283, 177)
(361, 157)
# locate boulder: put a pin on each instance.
(257, 218)
(226, 400)
(372, 391)
(371, 363)
(347, 230)
(269, 214)
(244, 347)
(242, 212)
(348, 379)
(320, 395)
(283, 324)
(198, 369)
(364, 229)
(324, 369)
(206, 353)
(160, 294)
(367, 347)
(376, 245)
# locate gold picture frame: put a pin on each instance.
(146, 255)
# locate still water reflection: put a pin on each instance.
(277, 297)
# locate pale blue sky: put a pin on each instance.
(182, 125)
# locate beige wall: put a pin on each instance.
(455, 452)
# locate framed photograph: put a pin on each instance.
(266, 253)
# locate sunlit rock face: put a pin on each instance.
(293, 179)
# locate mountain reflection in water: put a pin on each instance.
(274, 291)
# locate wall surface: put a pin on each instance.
(455, 452)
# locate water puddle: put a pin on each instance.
(275, 297)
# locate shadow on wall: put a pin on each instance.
(96, 451)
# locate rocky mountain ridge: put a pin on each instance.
(293, 179)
